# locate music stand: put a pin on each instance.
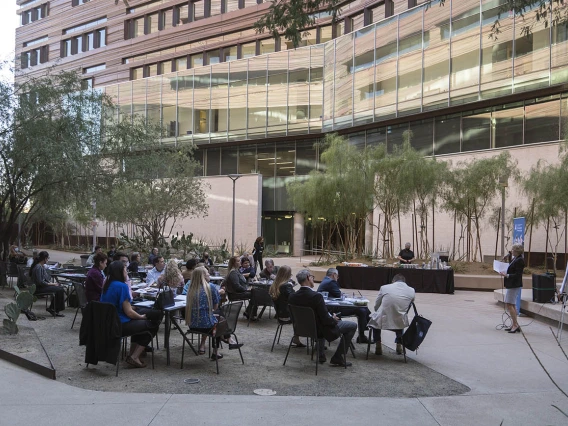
(564, 297)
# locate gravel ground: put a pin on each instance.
(379, 376)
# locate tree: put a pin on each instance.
(293, 17)
(470, 190)
(338, 198)
(154, 184)
(548, 186)
(50, 144)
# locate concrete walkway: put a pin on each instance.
(508, 384)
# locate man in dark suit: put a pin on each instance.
(330, 284)
(329, 327)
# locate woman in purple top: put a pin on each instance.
(96, 278)
(116, 292)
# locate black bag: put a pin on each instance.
(165, 299)
(416, 331)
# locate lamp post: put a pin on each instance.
(234, 178)
(94, 223)
(503, 183)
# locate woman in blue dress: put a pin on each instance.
(116, 292)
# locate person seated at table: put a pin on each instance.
(406, 255)
(236, 285)
(152, 256)
(90, 259)
(206, 260)
(154, 273)
(42, 280)
(329, 284)
(111, 252)
(134, 263)
(249, 256)
(190, 266)
(329, 327)
(246, 269)
(269, 272)
(280, 291)
(172, 276)
(115, 291)
(202, 300)
(96, 278)
(16, 255)
(391, 309)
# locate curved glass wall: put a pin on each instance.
(424, 59)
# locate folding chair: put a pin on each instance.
(304, 323)
(81, 298)
(259, 297)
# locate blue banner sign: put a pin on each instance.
(519, 230)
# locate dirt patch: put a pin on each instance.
(385, 375)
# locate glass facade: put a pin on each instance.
(424, 59)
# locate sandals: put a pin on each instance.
(201, 351)
(135, 363)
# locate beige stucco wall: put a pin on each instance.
(526, 157)
(218, 224)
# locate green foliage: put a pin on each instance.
(24, 301)
(154, 184)
(470, 190)
(338, 198)
(292, 17)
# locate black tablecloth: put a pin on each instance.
(372, 278)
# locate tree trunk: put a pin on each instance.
(498, 227)
(530, 234)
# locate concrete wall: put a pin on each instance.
(218, 224)
(526, 157)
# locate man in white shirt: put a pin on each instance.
(154, 274)
(391, 309)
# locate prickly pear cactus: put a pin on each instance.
(24, 301)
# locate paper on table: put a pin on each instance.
(500, 266)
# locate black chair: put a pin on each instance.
(3, 273)
(231, 313)
(97, 321)
(304, 323)
(259, 297)
(279, 328)
(81, 299)
(13, 272)
(369, 344)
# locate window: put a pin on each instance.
(35, 57)
(152, 23)
(248, 50)
(137, 73)
(196, 60)
(182, 14)
(267, 46)
(35, 41)
(34, 14)
(213, 57)
(83, 27)
(181, 63)
(87, 83)
(83, 43)
(94, 68)
(198, 10)
(166, 67)
(79, 2)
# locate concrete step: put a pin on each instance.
(545, 311)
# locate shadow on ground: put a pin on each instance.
(379, 376)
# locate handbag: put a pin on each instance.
(165, 298)
(416, 331)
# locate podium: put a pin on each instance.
(544, 287)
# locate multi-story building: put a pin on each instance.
(255, 105)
